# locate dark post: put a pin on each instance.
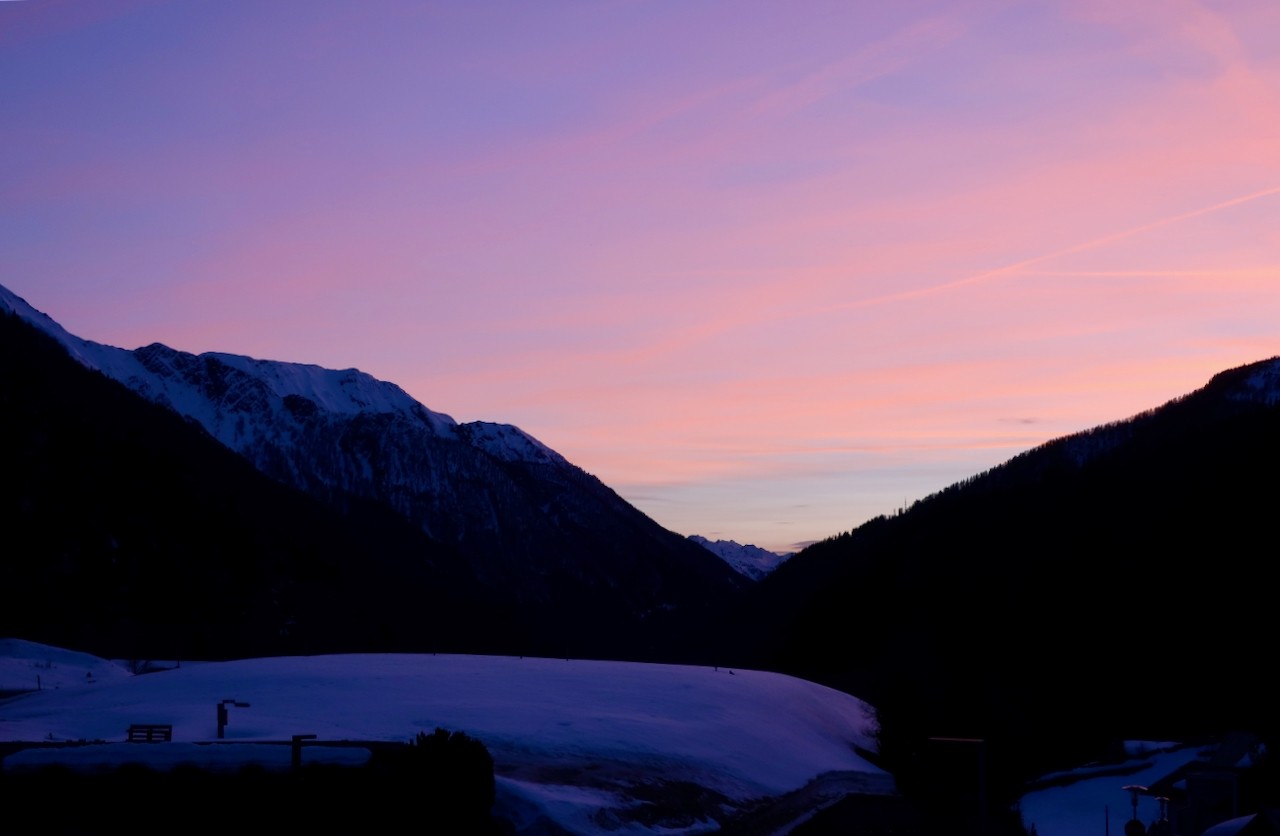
(297, 750)
(981, 746)
(222, 714)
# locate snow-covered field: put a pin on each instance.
(26, 666)
(579, 742)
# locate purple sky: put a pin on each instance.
(767, 269)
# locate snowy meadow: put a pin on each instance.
(575, 742)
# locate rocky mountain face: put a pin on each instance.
(534, 530)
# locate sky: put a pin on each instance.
(766, 269)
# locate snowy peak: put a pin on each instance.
(508, 443)
(343, 392)
(210, 387)
(751, 561)
(235, 382)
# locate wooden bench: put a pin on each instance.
(150, 733)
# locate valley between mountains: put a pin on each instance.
(1108, 585)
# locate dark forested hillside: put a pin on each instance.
(1114, 582)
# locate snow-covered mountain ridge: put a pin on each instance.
(251, 405)
(232, 383)
(530, 524)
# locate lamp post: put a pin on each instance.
(1134, 827)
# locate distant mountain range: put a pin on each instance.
(530, 534)
(752, 561)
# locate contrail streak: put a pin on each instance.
(1018, 266)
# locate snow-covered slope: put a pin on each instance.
(751, 561)
(29, 666)
(579, 742)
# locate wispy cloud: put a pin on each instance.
(865, 63)
(1020, 268)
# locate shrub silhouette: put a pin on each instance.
(449, 773)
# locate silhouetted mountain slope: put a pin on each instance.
(1112, 581)
(132, 532)
(529, 523)
(547, 549)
